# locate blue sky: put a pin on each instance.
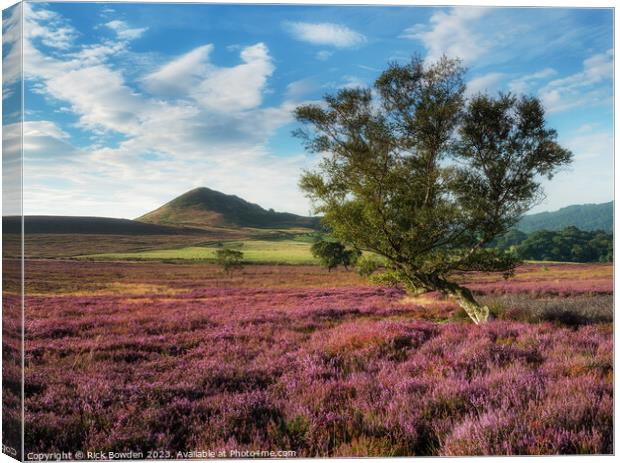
(129, 105)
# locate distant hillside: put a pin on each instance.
(88, 225)
(205, 207)
(587, 217)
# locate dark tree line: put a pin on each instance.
(567, 245)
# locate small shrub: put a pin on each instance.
(229, 259)
(367, 265)
(332, 254)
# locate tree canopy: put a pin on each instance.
(568, 245)
(417, 173)
(229, 259)
(511, 239)
(331, 254)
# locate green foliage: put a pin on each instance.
(229, 259)
(509, 240)
(297, 430)
(369, 264)
(568, 245)
(423, 177)
(331, 254)
(589, 217)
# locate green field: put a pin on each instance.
(254, 251)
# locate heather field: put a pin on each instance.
(179, 357)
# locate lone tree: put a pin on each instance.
(419, 174)
(229, 259)
(332, 254)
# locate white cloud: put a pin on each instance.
(124, 31)
(112, 106)
(181, 74)
(323, 55)
(55, 34)
(227, 89)
(11, 169)
(589, 87)
(12, 141)
(239, 87)
(332, 34)
(298, 89)
(591, 171)
(12, 58)
(44, 142)
(7, 92)
(201, 124)
(96, 53)
(597, 68)
(588, 143)
(352, 82)
(451, 33)
(523, 84)
(485, 83)
(369, 68)
(44, 129)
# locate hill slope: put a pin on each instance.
(587, 217)
(48, 224)
(205, 207)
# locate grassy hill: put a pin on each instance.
(587, 217)
(48, 224)
(205, 207)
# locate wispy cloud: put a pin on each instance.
(124, 31)
(323, 55)
(352, 82)
(12, 54)
(195, 124)
(485, 83)
(524, 83)
(56, 33)
(213, 112)
(591, 172)
(582, 89)
(590, 142)
(299, 89)
(179, 75)
(453, 33)
(237, 87)
(336, 35)
(596, 68)
(222, 89)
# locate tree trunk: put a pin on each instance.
(465, 299)
(478, 313)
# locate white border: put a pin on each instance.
(523, 3)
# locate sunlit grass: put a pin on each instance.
(254, 251)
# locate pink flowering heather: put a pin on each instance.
(341, 370)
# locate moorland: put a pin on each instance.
(138, 341)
